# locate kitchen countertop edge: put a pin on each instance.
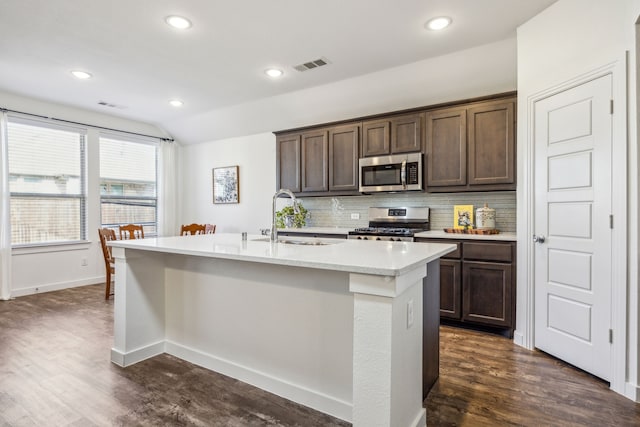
(439, 234)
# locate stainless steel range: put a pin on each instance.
(394, 224)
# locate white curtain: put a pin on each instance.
(5, 216)
(167, 185)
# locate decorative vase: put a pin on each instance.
(485, 218)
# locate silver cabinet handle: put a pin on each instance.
(538, 239)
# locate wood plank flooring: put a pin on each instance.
(55, 371)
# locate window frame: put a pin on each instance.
(82, 196)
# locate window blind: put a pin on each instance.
(128, 183)
(47, 181)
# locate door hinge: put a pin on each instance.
(611, 107)
(611, 336)
(611, 222)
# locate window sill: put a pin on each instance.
(51, 247)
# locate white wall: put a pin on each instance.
(571, 38)
(57, 267)
(256, 157)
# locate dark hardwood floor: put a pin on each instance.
(55, 371)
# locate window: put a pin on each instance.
(128, 180)
(47, 176)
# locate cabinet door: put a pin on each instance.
(446, 146)
(314, 161)
(450, 286)
(486, 293)
(406, 134)
(376, 138)
(288, 162)
(344, 149)
(492, 143)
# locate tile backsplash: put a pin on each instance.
(336, 211)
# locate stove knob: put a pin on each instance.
(377, 238)
(359, 238)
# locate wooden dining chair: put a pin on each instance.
(192, 229)
(131, 231)
(107, 234)
(209, 228)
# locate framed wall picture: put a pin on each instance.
(463, 216)
(226, 187)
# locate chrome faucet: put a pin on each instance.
(296, 209)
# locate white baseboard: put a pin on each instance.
(135, 356)
(49, 287)
(518, 338)
(311, 398)
(421, 419)
(632, 391)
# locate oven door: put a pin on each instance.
(391, 173)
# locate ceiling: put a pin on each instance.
(139, 63)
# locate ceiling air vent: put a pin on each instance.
(312, 64)
(108, 104)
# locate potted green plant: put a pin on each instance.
(288, 218)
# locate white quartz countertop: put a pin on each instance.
(439, 234)
(354, 256)
(316, 230)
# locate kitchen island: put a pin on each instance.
(334, 326)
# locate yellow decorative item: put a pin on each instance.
(462, 216)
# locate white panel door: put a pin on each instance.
(572, 208)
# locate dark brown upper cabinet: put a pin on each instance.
(288, 162)
(344, 151)
(471, 147)
(320, 161)
(315, 151)
(446, 137)
(397, 134)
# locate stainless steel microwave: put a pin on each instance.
(399, 172)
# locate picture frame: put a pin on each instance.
(463, 217)
(226, 188)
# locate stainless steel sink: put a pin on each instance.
(309, 242)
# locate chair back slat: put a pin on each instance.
(131, 231)
(192, 229)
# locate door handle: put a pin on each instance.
(538, 239)
(403, 174)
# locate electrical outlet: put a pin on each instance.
(409, 313)
(355, 216)
(84, 262)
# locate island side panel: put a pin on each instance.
(139, 306)
(285, 329)
(431, 327)
(387, 355)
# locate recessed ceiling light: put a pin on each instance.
(273, 72)
(178, 22)
(176, 103)
(82, 75)
(439, 23)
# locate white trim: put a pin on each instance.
(632, 391)
(48, 287)
(617, 69)
(308, 397)
(138, 355)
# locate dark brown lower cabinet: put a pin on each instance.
(486, 293)
(477, 284)
(450, 273)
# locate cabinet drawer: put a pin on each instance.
(500, 252)
(457, 254)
